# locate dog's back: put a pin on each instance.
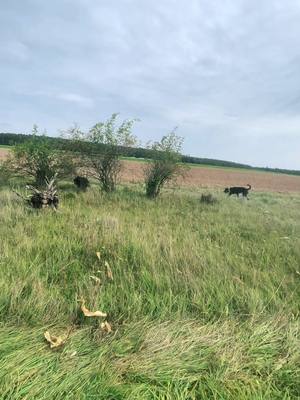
(238, 190)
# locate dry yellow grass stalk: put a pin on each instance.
(105, 326)
(108, 271)
(54, 341)
(89, 313)
(95, 279)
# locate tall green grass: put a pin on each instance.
(204, 303)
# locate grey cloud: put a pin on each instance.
(76, 98)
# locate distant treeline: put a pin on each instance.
(10, 139)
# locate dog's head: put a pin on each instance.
(226, 190)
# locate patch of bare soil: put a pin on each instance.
(3, 153)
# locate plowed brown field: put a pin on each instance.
(3, 153)
(206, 177)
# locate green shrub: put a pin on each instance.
(103, 161)
(39, 159)
(164, 165)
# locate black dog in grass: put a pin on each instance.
(237, 190)
(81, 182)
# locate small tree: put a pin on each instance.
(164, 165)
(101, 147)
(37, 158)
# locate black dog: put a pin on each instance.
(81, 182)
(237, 190)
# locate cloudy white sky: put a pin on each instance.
(226, 72)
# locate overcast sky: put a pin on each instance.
(226, 72)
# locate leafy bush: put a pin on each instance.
(103, 161)
(164, 165)
(39, 159)
(4, 174)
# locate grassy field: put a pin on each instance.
(204, 301)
